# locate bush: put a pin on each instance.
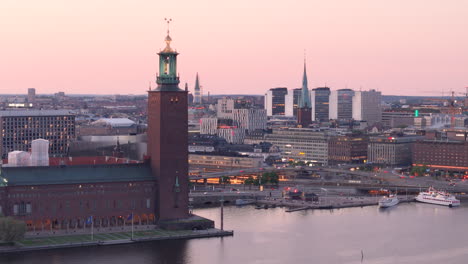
(11, 230)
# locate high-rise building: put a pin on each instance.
(320, 98)
(341, 104)
(275, 101)
(168, 138)
(197, 99)
(20, 128)
(292, 102)
(367, 106)
(304, 110)
(32, 96)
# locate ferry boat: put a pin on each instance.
(388, 201)
(437, 197)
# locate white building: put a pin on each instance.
(250, 119)
(232, 135)
(208, 125)
(367, 106)
(225, 108)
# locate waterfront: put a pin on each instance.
(407, 233)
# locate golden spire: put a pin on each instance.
(168, 38)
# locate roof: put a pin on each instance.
(35, 113)
(115, 122)
(18, 176)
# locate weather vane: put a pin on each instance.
(168, 21)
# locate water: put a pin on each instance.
(408, 233)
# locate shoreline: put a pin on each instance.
(188, 234)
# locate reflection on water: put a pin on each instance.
(407, 233)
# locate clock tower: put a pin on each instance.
(168, 138)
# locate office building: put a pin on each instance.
(367, 106)
(20, 128)
(275, 101)
(300, 144)
(320, 98)
(341, 104)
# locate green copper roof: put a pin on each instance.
(16, 176)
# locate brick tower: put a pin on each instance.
(168, 138)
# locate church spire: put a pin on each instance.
(305, 99)
(197, 98)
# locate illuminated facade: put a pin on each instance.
(20, 128)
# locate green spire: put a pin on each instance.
(304, 102)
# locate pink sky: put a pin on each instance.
(407, 47)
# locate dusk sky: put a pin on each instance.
(407, 47)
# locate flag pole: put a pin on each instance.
(132, 225)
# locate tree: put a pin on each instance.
(224, 179)
(418, 170)
(249, 181)
(11, 230)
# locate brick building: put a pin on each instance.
(347, 149)
(442, 155)
(66, 193)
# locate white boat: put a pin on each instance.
(244, 201)
(437, 197)
(388, 201)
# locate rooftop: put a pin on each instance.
(35, 113)
(20, 176)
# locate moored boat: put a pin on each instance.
(437, 197)
(388, 201)
(244, 201)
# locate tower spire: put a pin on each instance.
(197, 98)
(305, 99)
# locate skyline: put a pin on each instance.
(398, 48)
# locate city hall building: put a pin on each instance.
(64, 194)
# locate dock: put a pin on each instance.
(327, 203)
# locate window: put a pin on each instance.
(148, 203)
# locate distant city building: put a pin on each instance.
(197, 99)
(213, 163)
(391, 150)
(341, 104)
(292, 102)
(300, 144)
(232, 134)
(366, 106)
(20, 128)
(250, 119)
(441, 154)
(347, 149)
(108, 126)
(275, 100)
(320, 98)
(392, 119)
(208, 125)
(32, 96)
(225, 108)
